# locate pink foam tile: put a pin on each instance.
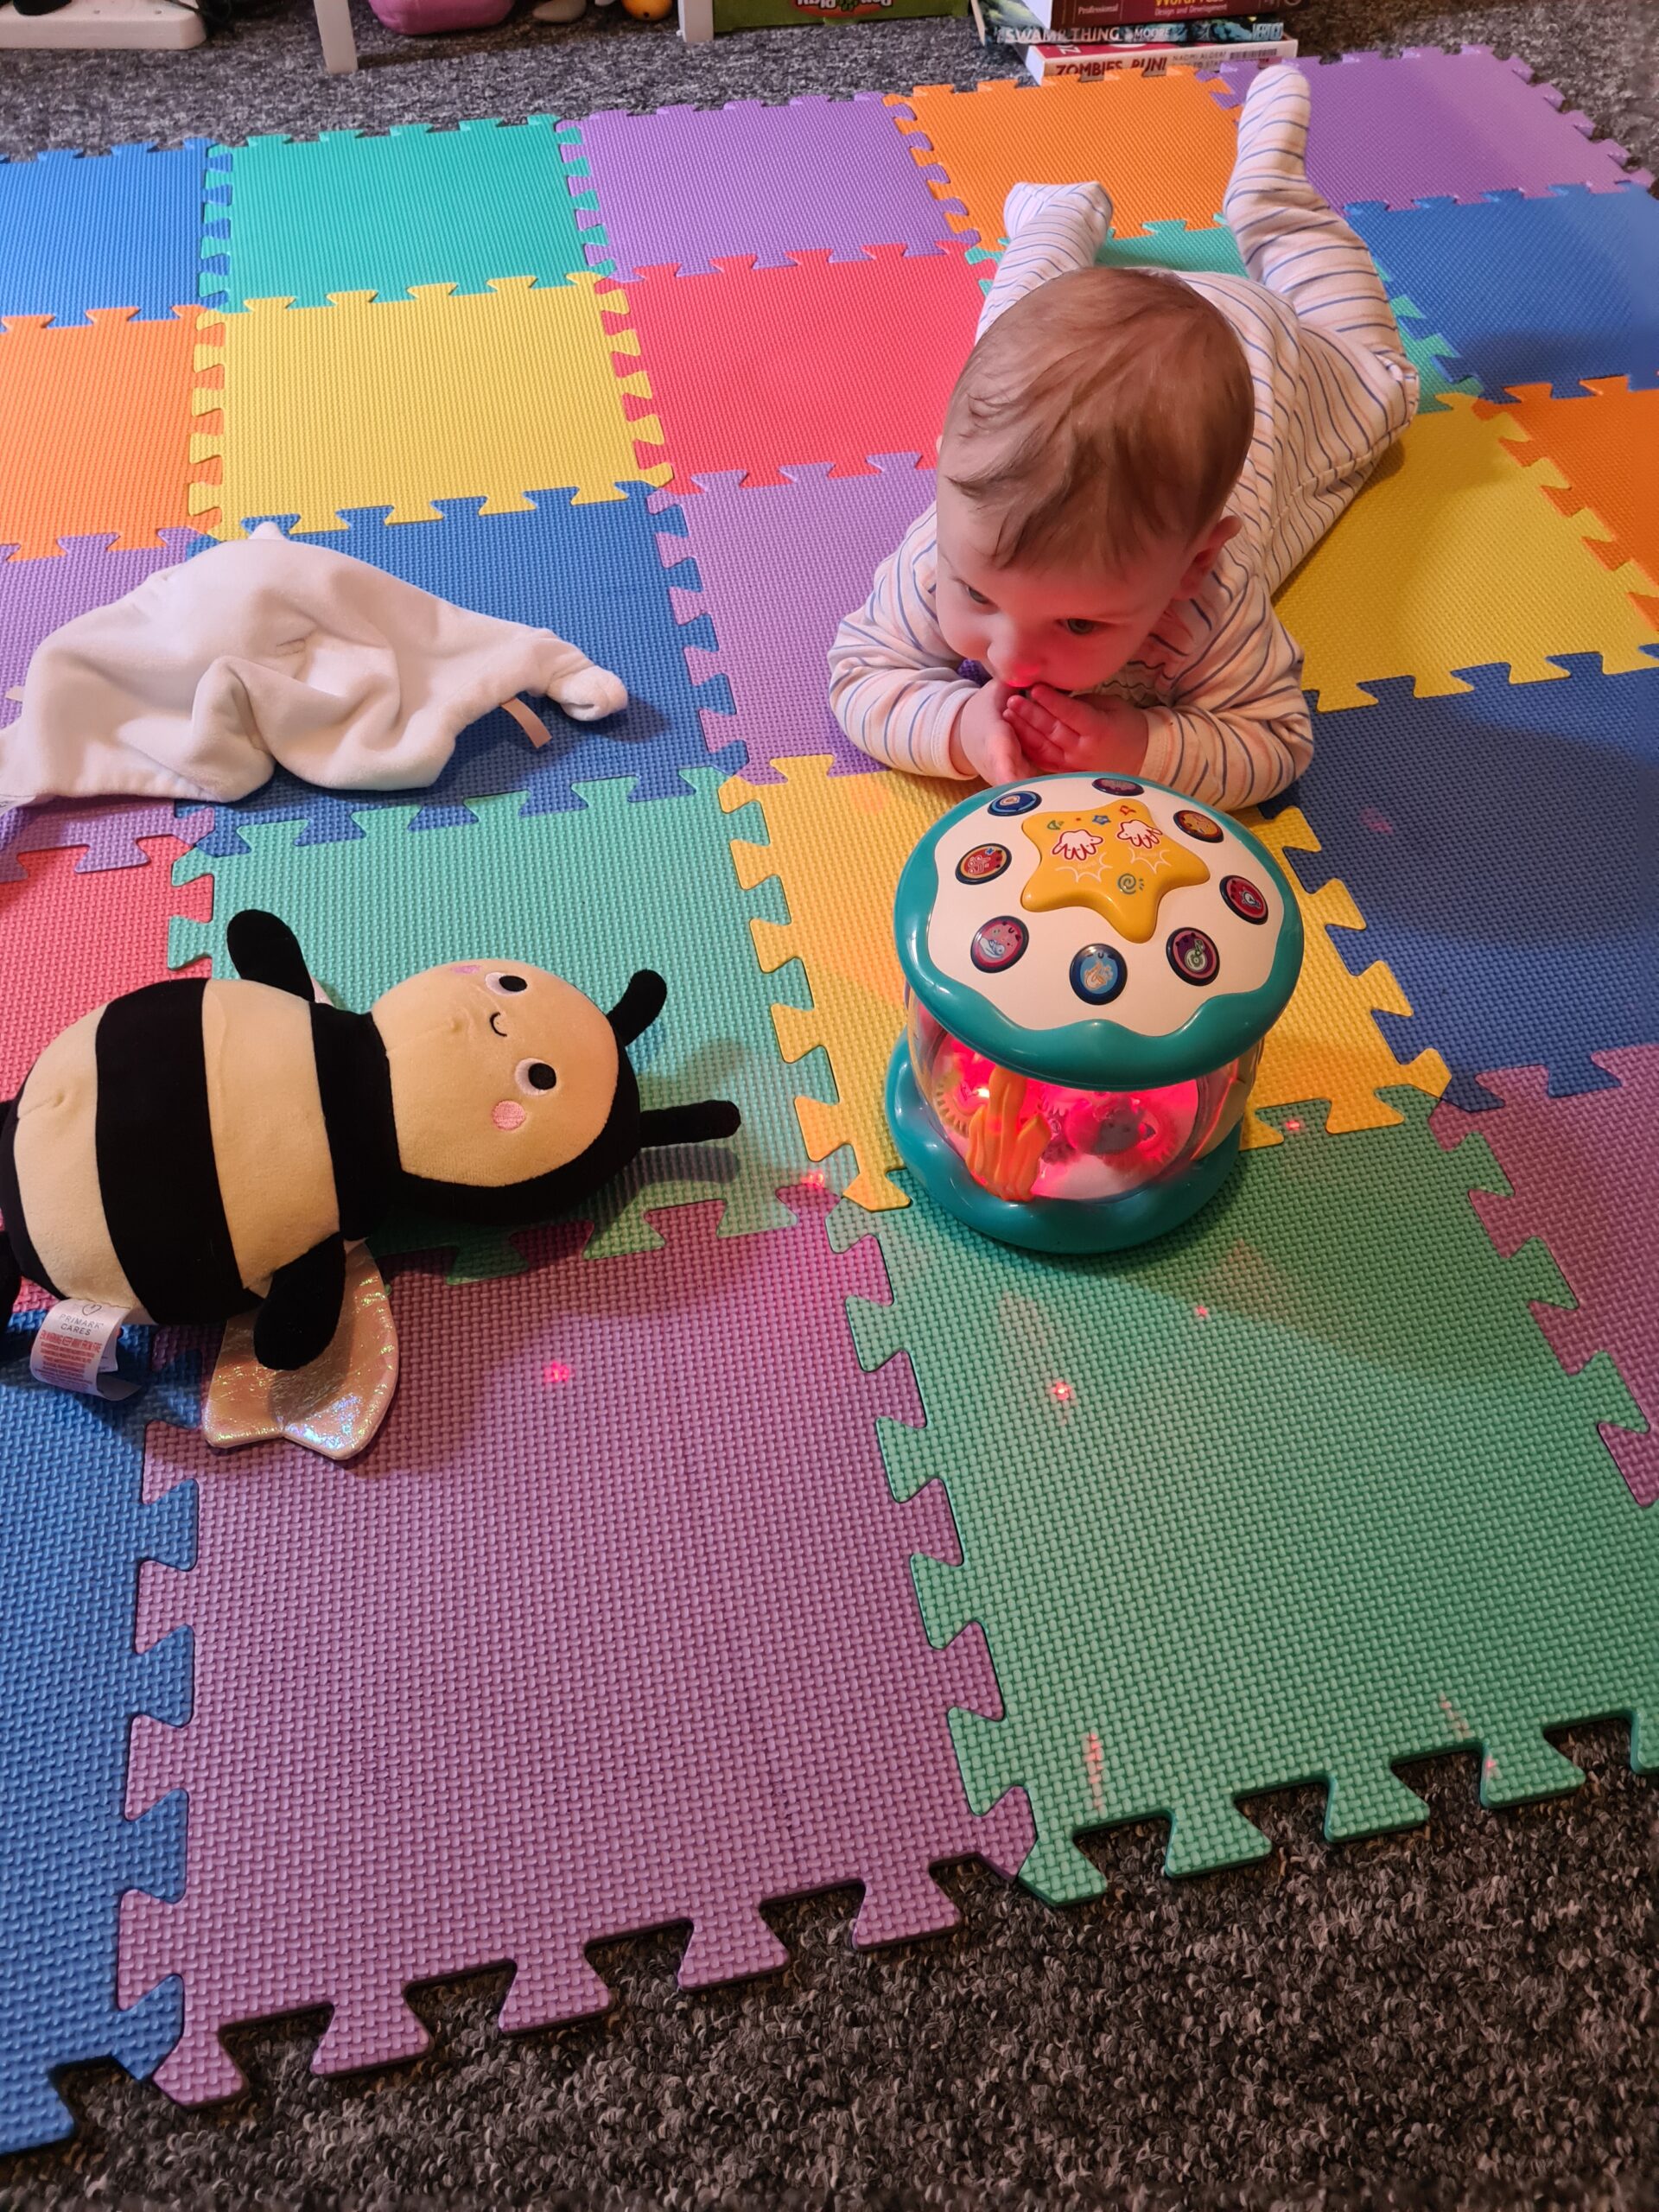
(611, 1628)
(69, 941)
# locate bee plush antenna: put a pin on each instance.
(638, 1007)
(632, 1015)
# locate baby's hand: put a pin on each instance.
(985, 745)
(1061, 735)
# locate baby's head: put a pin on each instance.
(1090, 445)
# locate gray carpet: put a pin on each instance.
(1602, 54)
(1465, 2017)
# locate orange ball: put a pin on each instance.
(649, 11)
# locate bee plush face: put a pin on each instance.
(501, 1074)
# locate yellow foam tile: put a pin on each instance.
(1453, 556)
(1163, 147)
(837, 844)
(396, 404)
(1325, 1046)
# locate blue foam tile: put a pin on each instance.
(116, 230)
(75, 1529)
(1531, 291)
(594, 575)
(1500, 846)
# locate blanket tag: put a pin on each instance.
(528, 721)
(74, 1349)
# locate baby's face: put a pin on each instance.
(1067, 627)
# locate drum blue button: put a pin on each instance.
(1098, 974)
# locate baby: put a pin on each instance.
(1131, 464)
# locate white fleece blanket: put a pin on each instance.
(270, 650)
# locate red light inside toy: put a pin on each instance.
(1021, 1137)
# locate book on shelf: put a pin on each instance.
(1025, 22)
(1151, 16)
(1009, 27)
(1074, 58)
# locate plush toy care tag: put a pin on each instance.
(334, 1406)
(75, 1346)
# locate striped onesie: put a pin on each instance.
(1221, 690)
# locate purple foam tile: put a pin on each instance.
(109, 829)
(779, 566)
(37, 597)
(685, 184)
(611, 1628)
(1429, 124)
(1584, 1172)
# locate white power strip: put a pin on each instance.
(105, 23)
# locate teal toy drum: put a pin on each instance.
(1092, 963)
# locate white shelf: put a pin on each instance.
(105, 23)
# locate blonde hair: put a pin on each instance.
(1113, 410)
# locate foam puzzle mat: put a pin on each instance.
(764, 1532)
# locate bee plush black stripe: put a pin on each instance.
(155, 1146)
(355, 1086)
(11, 1207)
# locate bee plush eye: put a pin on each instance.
(534, 1075)
(508, 985)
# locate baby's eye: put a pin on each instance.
(1079, 628)
(978, 597)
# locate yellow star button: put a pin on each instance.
(1112, 858)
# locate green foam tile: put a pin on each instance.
(1291, 1495)
(592, 893)
(1205, 251)
(347, 213)
(1429, 354)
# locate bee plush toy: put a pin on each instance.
(200, 1148)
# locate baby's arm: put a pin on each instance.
(895, 685)
(1053, 228)
(1235, 730)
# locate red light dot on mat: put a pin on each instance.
(813, 1179)
(1293, 1127)
(555, 1371)
(1203, 1312)
(1373, 820)
(1061, 1392)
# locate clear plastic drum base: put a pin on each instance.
(1020, 1138)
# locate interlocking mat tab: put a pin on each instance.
(1434, 126)
(604, 1644)
(72, 1680)
(762, 1531)
(1247, 1460)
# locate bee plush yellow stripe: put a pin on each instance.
(270, 1143)
(55, 1157)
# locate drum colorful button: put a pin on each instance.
(997, 944)
(1193, 956)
